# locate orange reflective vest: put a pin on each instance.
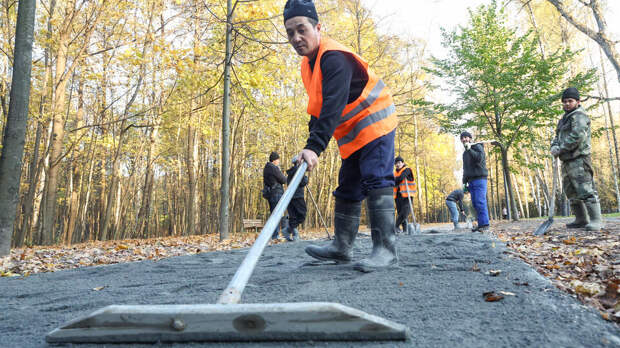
(406, 187)
(369, 117)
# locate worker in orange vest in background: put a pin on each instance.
(404, 189)
(347, 101)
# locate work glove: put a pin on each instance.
(465, 188)
(467, 146)
(555, 151)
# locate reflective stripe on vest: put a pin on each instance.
(404, 190)
(369, 117)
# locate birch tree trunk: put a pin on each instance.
(516, 188)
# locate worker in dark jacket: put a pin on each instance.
(349, 102)
(454, 201)
(404, 189)
(297, 207)
(475, 177)
(273, 179)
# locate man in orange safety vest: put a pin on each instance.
(348, 102)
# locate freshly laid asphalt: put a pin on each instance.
(435, 292)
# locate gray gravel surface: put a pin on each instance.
(434, 292)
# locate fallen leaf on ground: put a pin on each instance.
(610, 298)
(494, 272)
(492, 296)
(588, 289)
(9, 274)
(99, 288)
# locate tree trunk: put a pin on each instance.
(498, 199)
(526, 196)
(601, 37)
(28, 201)
(15, 129)
(56, 147)
(425, 190)
(76, 176)
(611, 118)
(417, 165)
(191, 161)
(225, 128)
(491, 200)
(611, 161)
(521, 211)
(87, 234)
(147, 191)
(116, 173)
(509, 194)
(535, 192)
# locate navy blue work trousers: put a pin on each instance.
(368, 168)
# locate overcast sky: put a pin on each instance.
(423, 19)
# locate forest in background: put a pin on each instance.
(125, 127)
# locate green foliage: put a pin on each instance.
(503, 87)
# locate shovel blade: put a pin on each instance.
(322, 321)
(543, 227)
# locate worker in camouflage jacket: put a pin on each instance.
(572, 144)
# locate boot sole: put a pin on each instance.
(321, 258)
(369, 269)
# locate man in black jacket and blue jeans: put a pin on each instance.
(475, 177)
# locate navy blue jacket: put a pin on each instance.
(474, 164)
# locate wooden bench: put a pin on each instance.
(253, 223)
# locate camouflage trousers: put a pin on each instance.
(578, 181)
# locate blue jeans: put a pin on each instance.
(369, 168)
(454, 211)
(478, 190)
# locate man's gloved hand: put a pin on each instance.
(467, 146)
(555, 150)
(465, 188)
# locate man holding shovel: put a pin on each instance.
(572, 144)
(352, 104)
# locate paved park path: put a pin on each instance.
(435, 292)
